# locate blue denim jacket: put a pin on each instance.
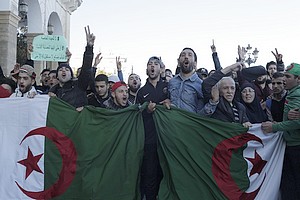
(187, 95)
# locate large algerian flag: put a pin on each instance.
(49, 150)
(207, 159)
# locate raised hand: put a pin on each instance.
(68, 54)
(277, 55)
(29, 48)
(242, 53)
(97, 59)
(118, 63)
(213, 47)
(215, 95)
(90, 38)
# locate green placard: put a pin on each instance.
(49, 48)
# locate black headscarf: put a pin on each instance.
(254, 110)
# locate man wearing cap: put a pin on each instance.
(74, 91)
(112, 79)
(290, 181)
(119, 97)
(26, 79)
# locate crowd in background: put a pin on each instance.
(268, 94)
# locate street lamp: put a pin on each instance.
(23, 9)
(50, 28)
(21, 33)
(254, 53)
(23, 23)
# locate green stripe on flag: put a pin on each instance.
(109, 148)
(187, 145)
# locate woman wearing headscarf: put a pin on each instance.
(249, 99)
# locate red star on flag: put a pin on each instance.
(258, 164)
(31, 163)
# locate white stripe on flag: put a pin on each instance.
(271, 150)
(18, 116)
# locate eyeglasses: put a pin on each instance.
(278, 83)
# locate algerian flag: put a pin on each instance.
(203, 158)
(50, 150)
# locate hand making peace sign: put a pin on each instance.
(90, 38)
(277, 55)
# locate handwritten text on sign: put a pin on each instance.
(49, 48)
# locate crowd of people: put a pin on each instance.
(247, 95)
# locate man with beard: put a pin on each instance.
(101, 91)
(74, 91)
(154, 91)
(186, 87)
(134, 84)
(119, 97)
(26, 79)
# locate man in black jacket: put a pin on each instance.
(74, 91)
(154, 91)
(101, 93)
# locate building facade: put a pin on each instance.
(25, 19)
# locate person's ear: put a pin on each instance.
(113, 94)
(298, 79)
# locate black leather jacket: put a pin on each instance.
(74, 91)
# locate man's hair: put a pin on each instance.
(188, 48)
(270, 63)
(169, 70)
(155, 58)
(45, 70)
(66, 65)
(102, 77)
(278, 75)
(224, 79)
(132, 74)
(53, 71)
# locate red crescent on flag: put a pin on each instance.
(221, 166)
(68, 153)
